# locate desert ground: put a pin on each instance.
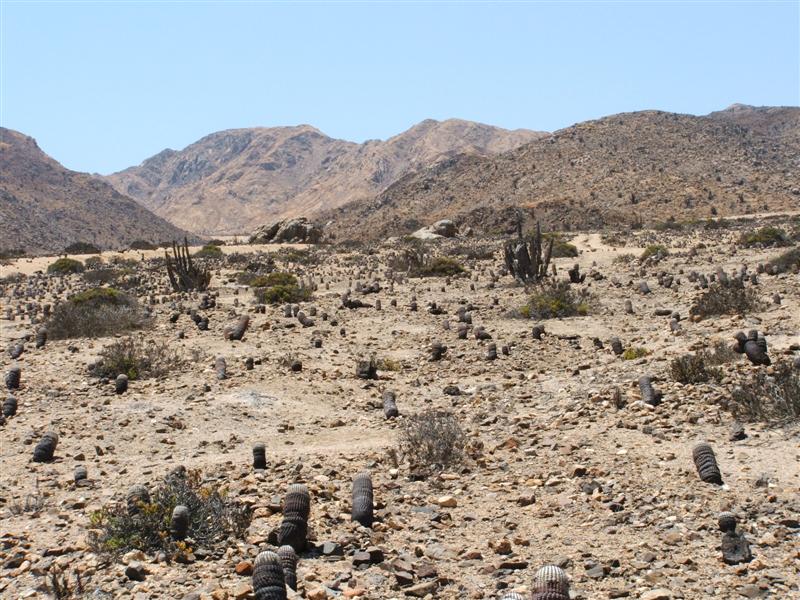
(563, 461)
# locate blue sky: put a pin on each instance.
(103, 86)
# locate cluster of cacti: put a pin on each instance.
(529, 261)
(390, 405)
(367, 369)
(480, 333)
(362, 499)
(183, 274)
(706, 463)
(44, 450)
(575, 275)
(16, 350)
(753, 345)
(236, 332)
(296, 508)
(269, 581)
(550, 583)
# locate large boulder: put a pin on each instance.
(288, 231)
(441, 229)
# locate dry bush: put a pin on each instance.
(214, 519)
(432, 441)
(773, 399)
(438, 266)
(691, 368)
(57, 584)
(138, 359)
(730, 298)
(788, 261)
(557, 299)
(95, 313)
(764, 237)
(720, 354)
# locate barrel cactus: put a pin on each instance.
(706, 463)
(79, 475)
(236, 332)
(137, 496)
(13, 377)
(550, 583)
(727, 521)
(289, 563)
(296, 508)
(390, 405)
(259, 457)
(268, 578)
(179, 524)
(121, 383)
(44, 450)
(362, 499)
(10, 406)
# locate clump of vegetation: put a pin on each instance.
(432, 441)
(765, 237)
(624, 258)
(654, 252)
(561, 248)
(472, 251)
(770, 398)
(557, 299)
(209, 251)
(298, 256)
(213, 519)
(81, 248)
(438, 266)
(730, 297)
(720, 354)
(94, 313)
(388, 364)
(137, 358)
(635, 352)
(102, 276)
(142, 245)
(216, 242)
(692, 368)
(93, 262)
(788, 261)
(279, 288)
(65, 266)
(9, 253)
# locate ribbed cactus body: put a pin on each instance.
(268, 577)
(236, 332)
(296, 508)
(512, 596)
(706, 464)
(259, 457)
(649, 394)
(550, 595)
(13, 377)
(616, 346)
(727, 521)
(221, 368)
(390, 405)
(44, 450)
(10, 406)
(756, 352)
(41, 337)
(550, 583)
(362, 499)
(121, 384)
(289, 563)
(137, 494)
(179, 525)
(79, 474)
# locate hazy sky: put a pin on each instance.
(102, 86)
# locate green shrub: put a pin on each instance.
(635, 352)
(655, 251)
(764, 237)
(282, 294)
(137, 358)
(439, 266)
(788, 261)
(142, 245)
(8, 253)
(101, 276)
(556, 299)
(561, 248)
(624, 258)
(273, 279)
(730, 298)
(209, 251)
(214, 518)
(64, 266)
(95, 313)
(93, 262)
(81, 248)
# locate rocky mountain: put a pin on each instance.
(45, 207)
(628, 168)
(231, 181)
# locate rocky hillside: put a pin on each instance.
(45, 207)
(636, 167)
(230, 181)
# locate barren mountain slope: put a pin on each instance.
(645, 166)
(232, 180)
(45, 207)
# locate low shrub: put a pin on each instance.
(691, 368)
(561, 248)
(94, 313)
(278, 288)
(472, 251)
(65, 266)
(556, 299)
(432, 441)
(786, 262)
(209, 251)
(725, 298)
(93, 262)
(624, 259)
(764, 237)
(81, 248)
(137, 358)
(214, 518)
(634, 352)
(439, 266)
(143, 245)
(770, 398)
(654, 252)
(9, 253)
(102, 276)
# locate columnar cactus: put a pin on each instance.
(236, 332)
(259, 457)
(289, 563)
(179, 524)
(13, 377)
(390, 405)
(43, 452)
(41, 337)
(512, 596)
(268, 578)
(550, 583)
(296, 508)
(650, 395)
(491, 352)
(362, 499)
(136, 496)
(706, 463)
(221, 368)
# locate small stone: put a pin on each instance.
(447, 502)
(659, 594)
(244, 568)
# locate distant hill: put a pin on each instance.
(635, 167)
(45, 207)
(232, 181)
